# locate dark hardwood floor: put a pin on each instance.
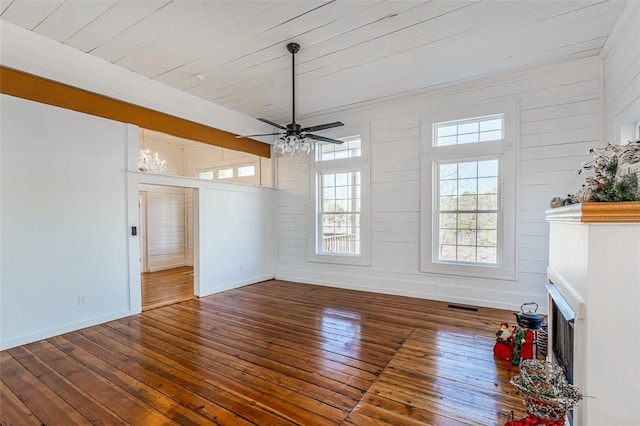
(272, 353)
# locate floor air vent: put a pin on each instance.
(463, 308)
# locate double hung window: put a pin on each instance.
(340, 214)
(468, 191)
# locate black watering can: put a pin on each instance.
(529, 319)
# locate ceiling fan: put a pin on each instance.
(293, 137)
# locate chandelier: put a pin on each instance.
(293, 144)
(150, 163)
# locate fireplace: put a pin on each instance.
(593, 289)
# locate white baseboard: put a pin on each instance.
(230, 286)
(160, 263)
(408, 286)
(66, 328)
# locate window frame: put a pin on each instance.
(506, 151)
(234, 167)
(352, 164)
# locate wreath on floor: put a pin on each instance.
(547, 394)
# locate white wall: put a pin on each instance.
(561, 117)
(69, 191)
(239, 237)
(64, 221)
(621, 56)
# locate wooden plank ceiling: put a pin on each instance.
(353, 52)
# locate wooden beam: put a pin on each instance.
(29, 86)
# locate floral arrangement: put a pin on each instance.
(615, 175)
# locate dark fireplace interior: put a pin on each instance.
(562, 341)
(562, 330)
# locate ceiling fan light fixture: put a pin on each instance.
(289, 145)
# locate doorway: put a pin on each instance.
(166, 245)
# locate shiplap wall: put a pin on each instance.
(168, 222)
(169, 214)
(621, 56)
(168, 225)
(561, 117)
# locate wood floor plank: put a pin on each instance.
(95, 412)
(319, 362)
(128, 407)
(145, 393)
(166, 287)
(267, 356)
(291, 403)
(241, 364)
(220, 401)
(303, 342)
(13, 411)
(273, 353)
(44, 403)
(369, 351)
(385, 411)
(277, 400)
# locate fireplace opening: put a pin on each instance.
(562, 344)
(561, 329)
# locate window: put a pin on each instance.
(225, 173)
(468, 212)
(475, 130)
(348, 149)
(340, 212)
(339, 209)
(205, 174)
(468, 184)
(242, 173)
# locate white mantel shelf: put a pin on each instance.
(621, 212)
(594, 262)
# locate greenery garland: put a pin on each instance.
(607, 182)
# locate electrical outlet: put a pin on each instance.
(82, 300)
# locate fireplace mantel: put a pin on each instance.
(594, 262)
(623, 212)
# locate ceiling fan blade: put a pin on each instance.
(261, 134)
(323, 139)
(322, 126)
(264, 120)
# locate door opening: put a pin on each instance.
(166, 245)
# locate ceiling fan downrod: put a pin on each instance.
(293, 48)
(293, 138)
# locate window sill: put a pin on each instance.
(470, 271)
(340, 259)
